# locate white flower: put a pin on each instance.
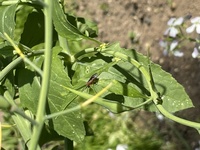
(172, 48)
(195, 24)
(121, 147)
(195, 53)
(172, 23)
(164, 45)
(178, 53)
(173, 45)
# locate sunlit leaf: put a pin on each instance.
(7, 22)
(29, 89)
(21, 17)
(62, 25)
(173, 94)
(122, 91)
(69, 125)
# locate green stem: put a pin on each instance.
(9, 67)
(78, 107)
(23, 126)
(85, 51)
(46, 75)
(15, 62)
(13, 107)
(177, 119)
(22, 55)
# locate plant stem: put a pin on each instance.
(46, 75)
(22, 55)
(15, 62)
(78, 107)
(23, 126)
(177, 119)
(9, 67)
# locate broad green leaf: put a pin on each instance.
(69, 125)
(7, 20)
(121, 92)
(124, 89)
(86, 27)
(6, 50)
(173, 94)
(63, 26)
(21, 17)
(125, 94)
(29, 89)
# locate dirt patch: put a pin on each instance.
(146, 21)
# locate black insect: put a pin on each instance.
(93, 80)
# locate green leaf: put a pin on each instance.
(122, 93)
(21, 17)
(69, 125)
(173, 94)
(63, 26)
(125, 94)
(6, 50)
(7, 22)
(86, 27)
(29, 89)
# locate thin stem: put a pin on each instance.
(177, 119)
(9, 67)
(89, 101)
(46, 75)
(13, 107)
(15, 62)
(22, 124)
(78, 107)
(22, 55)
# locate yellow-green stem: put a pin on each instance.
(46, 75)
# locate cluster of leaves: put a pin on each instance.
(23, 53)
(178, 33)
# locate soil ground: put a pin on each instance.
(118, 19)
